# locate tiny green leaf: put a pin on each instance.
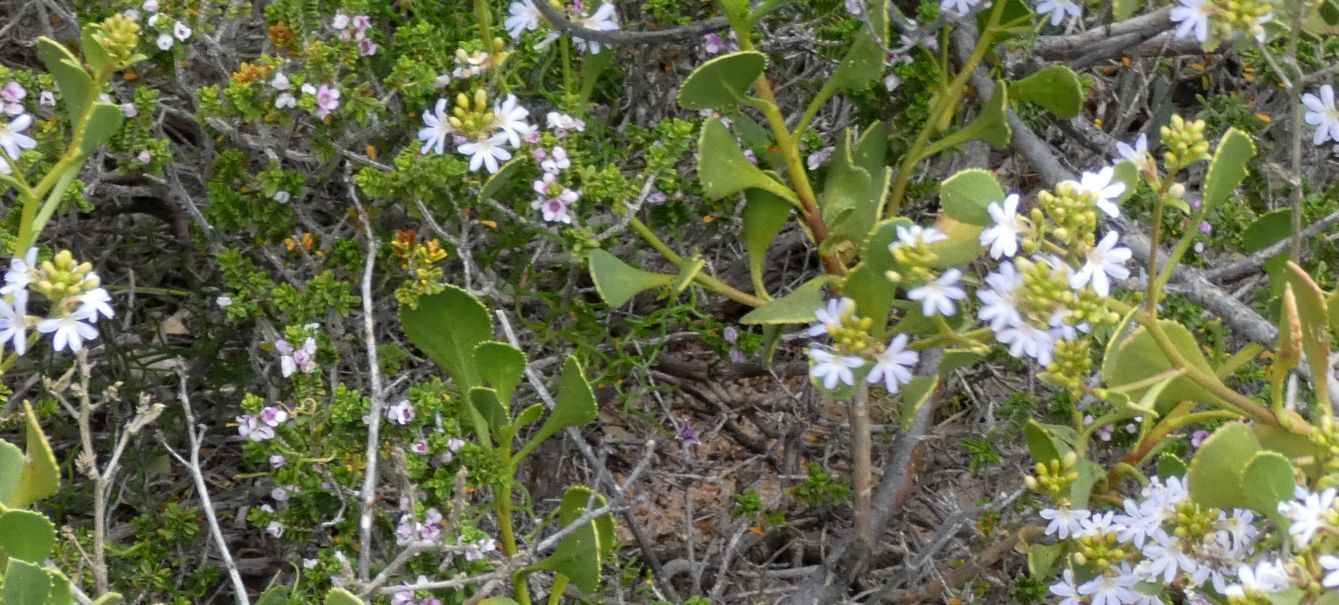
(575, 406)
(862, 64)
(1055, 88)
(103, 122)
(723, 81)
(61, 593)
(966, 195)
(992, 124)
(485, 402)
(794, 308)
(617, 282)
(1170, 465)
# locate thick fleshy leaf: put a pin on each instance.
(1228, 166)
(962, 246)
(724, 170)
(76, 87)
(25, 535)
(61, 592)
(965, 196)
(1313, 314)
(103, 122)
(1214, 475)
(94, 54)
(857, 183)
(1138, 358)
(914, 396)
(505, 174)
(764, 216)
(1170, 465)
(723, 81)
(992, 125)
(339, 596)
(1044, 446)
(41, 475)
(794, 308)
(486, 403)
(11, 469)
(111, 598)
(447, 326)
(1041, 559)
(578, 555)
(25, 584)
(862, 64)
(1090, 474)
(617, 282)
(688, 271)
(866, 284)
(1266, 231)
(1055, 88)
(276, 595)
(1266, 481)
(575, 406)
(501, 366)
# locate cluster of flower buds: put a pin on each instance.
(74, 301)
(853, 350)
(478, 130)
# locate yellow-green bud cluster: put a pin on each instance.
(1185, 143)
(1326, 438)
(1044, 291)
(62, 277)
(1071, 363)
(850, 334)
(914, 259)
(1090, 307)
(119, 37)
(1053, 479)
(1102, 551)
(1193, 522)
(476, 120)
(1250, 598)
(1072, 209)
(1243, 16)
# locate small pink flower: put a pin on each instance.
(327, 99)
(731, 335)
(454, 444)
(401, 413)
(144, 157)
(251, 428)
(362, 22)
(47, 99)
(657, 198)
(279, 494)
(340, 21)
(273, 416)
(366, 47)
(1205, 227)
(278, 461)
(419, 447)
(1197, 438)
(275, 529)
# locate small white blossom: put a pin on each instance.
(401, 413)
(292, 360)
(833, 369)
(251, 428)
(1002, 237)
(164, 40)
(509, 117)
(562, 123)
(94, 303)
(960, 7)
(1137, 154)
(1330, 564)
(12, 139)
(830, 316)
(524, 17)
(604, 18)
(916, 235)
(937, 295)
(486, 153)
(1309, 515)
(13, 326)
(893, 365)
(436, 128)
(181, 31)
(1192, 17)
(275, 529)
(1063, 521)
(69, 331)
(1111, 588)
(1099, 184)
(557, 161)
(1058, 9)
(1104, 260)
(998, 306)
(1066, 588)
(1323, 115)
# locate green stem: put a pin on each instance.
(560, 582)
(706, 281)
(484, 15)
(957, 137)
(829, 88)
(945, 104)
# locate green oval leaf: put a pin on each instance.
(1138, 358)
(103, 122)
(617, 282)
(41, 476)
(965, 196)
(25, 584)
(1214, 476)
(794, 308)
(1055, 88)
(501, 366)
(1267, 480)
(447, 326)
(26, 535)
(723, 81)
(76, 87)
(339, 596)
(1228, 167)
(764, 216)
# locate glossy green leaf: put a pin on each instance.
(965, 196)
(1313, 313)
(723, 81)
(862, 64)
(1215, 474)
(1055, 88)
(103, 122)
(339, 596)
(866, 284)
(1090, 474)
(76, 87)
(1138, 358)
(1041, 559)
(723, 169)
(501, 366)
(764, 216)
(794, 308)
(26, 535)
(575, 405)
(1042, 444)
(914, 396)
(11, 469)
(617, 282)
(41, 475)
(447, 326)
(1266, 481)
(1170, 465)
(992, 124)
(1266, 231)
(25, 584)
(1228, 167)
(486, 403)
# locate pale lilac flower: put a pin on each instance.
(684, 432)
(509, 117)
(893, 365)
(1104, 260)
(557, 209)
(362, 22)
(340, 21)
(1058, 9)
(1193, 18)
(556, 162)
(46, 98)
(251, 428)
(281, 196)
(366, 47)
(419, 447)
(1063, 521)
(737, 356)
(1323, 115)
(1197, 438)
(818, 158)
(164, 40)
(855, 7)
(437, 127)
(12, 95)
(730, 334)
(832, 369)
(280, 81)
(277, 461)
(14, 325)
(279, 494)
(404, 597)
(144, 156)
(960, 7)
(273, 416)
(12, 139)
(480, 549)
(937, 295)
(149, 6)
(327, 99)
(401, 413)
(830, 316)
(486, 152)
(1002, 236)
(285, 100)
(657, 198)
(523, 17)
(1137, 154)
(70, 330)
(1067, 589)
(1099, 184)
(275, 529)
(292, 360)
(181, 31)
(223, 302)
(454, 444)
